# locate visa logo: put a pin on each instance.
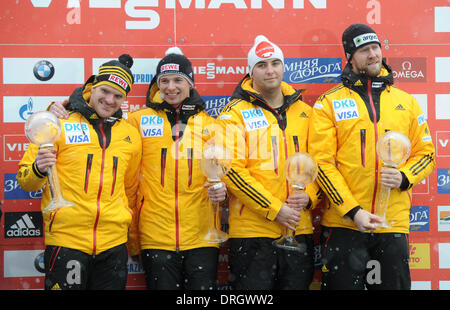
(152, 132)
(78, 139)
(345, 109)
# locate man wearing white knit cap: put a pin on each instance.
(262, 203)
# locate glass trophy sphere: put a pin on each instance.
(301, 169)
(215, 162)
(42, 128)
(393, 148)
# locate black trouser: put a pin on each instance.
(352, 260)
(194, 269)
(256, 264)
(70, 269)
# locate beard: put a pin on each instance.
(370, 71)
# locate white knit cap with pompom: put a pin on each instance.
(262, 50)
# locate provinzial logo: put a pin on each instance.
(312, 70)
(43, 70)
(264, 50)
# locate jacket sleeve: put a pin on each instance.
(239, 180)
(322, 145)
(421, 161)
(29, 177)
(132, 190)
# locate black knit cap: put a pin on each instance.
(175, 63)
(356, 36)
(116, 73)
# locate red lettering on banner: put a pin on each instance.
(14, 146)
(442, 145)
(119, 81)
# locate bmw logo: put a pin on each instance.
(43, 70)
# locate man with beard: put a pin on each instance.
(346, 124)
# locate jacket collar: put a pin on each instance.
(359, 82)
(190, 106)
(245, 91)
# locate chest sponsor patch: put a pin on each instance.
(254, 119)
(152, 126)
(77, 133)
(345, 109)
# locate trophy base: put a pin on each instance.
(215, 236)
(289, 243)
(385, 224)
(57, 204)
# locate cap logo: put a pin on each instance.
(365, 38)
(264, 50)
(118, 80)
(171, 67)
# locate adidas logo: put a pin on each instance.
(358, 83)
(304, 115)
(399, 108)
(23, 227)
(127, 139)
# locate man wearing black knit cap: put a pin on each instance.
(97, 159)
(357, 250)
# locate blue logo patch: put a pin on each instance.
(419, 218)
(443, 181)
(312, 70)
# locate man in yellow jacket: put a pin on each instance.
(346, 123)
(173, 205)
(97, 159)
(266, 122)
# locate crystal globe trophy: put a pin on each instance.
(301, 170)
(214, 164)
(43, 129)
(393, 148)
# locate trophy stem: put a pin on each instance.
(214, 233)
(287, 241)
(55, 191)
(382, 205)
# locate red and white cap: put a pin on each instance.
(262, 50)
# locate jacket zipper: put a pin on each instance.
(177, 135)
(94, 248)
(369, 88)
(163, 165)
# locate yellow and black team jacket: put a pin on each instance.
(262, 139)
(173, 204)
(98, 165)
(346, 124)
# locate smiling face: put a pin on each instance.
(267, 75)
(174, 88)
(367, 60)
(106, 100)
